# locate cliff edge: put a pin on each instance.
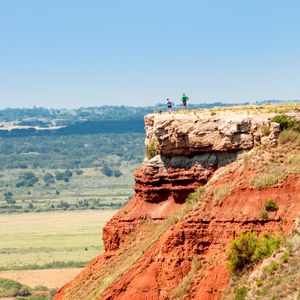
(167, 235)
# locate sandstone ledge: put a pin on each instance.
(189, 134)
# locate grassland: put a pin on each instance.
(38, 239)
(97, 190)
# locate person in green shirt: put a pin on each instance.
(184, 100)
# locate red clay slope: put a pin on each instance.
(159, 192)
(204, 234)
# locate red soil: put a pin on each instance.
(203, 234)
(159, 192)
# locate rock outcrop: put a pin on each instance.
(161, 186)
(190, 148)
(191, 151)
(190, 134)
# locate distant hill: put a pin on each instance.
(87, 120)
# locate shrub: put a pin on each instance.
(285, 122)
(259, 282)
(27, 179)
(117, 173)
(241, 251)
(249, 248)
(30, 206)
(7, 195)
(24, 291)
(263, 214)
(49, 178)
(10, 201)
(63, 204)
(65, 176)
(240, 293)
(289, 136)
(151, 151)
(79, 171)
(270, 205)
(107, 171)
(12, 288)
(52, 292)
(83, 203)
(266, 245)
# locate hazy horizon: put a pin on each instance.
(93, 53)
(154, 104)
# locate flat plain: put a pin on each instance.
(52, 278)
(38, 239)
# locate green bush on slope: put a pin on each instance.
(249, 248)
(286, 122)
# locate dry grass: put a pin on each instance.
(275, 164)
(183, 287)
(267, 179)
(249, 109)
(265, 130)
(220, 192)
(124, 259)
(289, 136)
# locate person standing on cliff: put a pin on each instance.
(169, 105)
(184, 100)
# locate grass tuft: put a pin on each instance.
(261, 181)
(222, 191)
(270, 205)
(182, 289)
(265, 130)
(289, 136)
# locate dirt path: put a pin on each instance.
(51, 278)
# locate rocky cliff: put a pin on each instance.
(163, 237)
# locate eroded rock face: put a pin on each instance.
(189, 134)
(190, 150)
(206, 234)
(161, 186)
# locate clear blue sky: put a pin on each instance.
(71, 53)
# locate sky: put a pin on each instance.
(71, 53)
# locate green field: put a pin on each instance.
(90, 190)
(37, 239)
(57, 223)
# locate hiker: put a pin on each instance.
(184, 100)
(169, 105)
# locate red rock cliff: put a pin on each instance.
(147, 256)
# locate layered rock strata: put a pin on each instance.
(191, 149)
(161, 186)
